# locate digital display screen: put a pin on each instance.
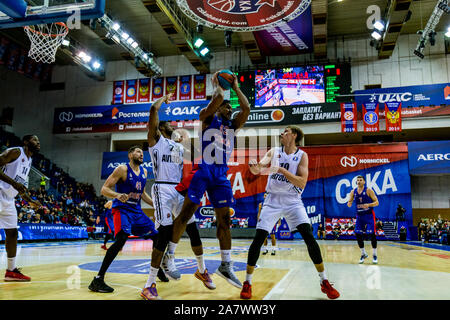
(246, 82)
(290, 86)
(337, 82)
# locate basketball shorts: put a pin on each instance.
(212, 179)
(8, 212)
(276, 206)
(365, 223)
(109, 224)
(168, 203)
(133, 222)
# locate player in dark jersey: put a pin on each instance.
(365, 199)
(129, 181)
(217, 141)
(109, 225)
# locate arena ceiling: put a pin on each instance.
(156, 28)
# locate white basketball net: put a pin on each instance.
(45, 40)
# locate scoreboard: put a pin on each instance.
(338, 81)
(246, 82)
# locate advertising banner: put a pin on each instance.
(348, 117)
(172, 87)
(131, 96)
(118, 96)
(144, 90)
(200, 86)
(429, 157)
(371, 118)
(157, 88)
(111, 160)
(185, 87)
(393, 112)
(293, 37)
(40, 231)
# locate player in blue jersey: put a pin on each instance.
(129, 181)
(108, 225)
(217, 141)
(365, 199)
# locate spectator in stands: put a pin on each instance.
(336, 231)
(379, 225)
(400, 213)
(321, 232)
(403, 233)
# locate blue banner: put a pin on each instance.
(410, 97)
(40, 231)
(429, 157)
(111, 160)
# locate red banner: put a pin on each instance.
(371, 117)
(144, 90)
(348, 117)
(158, 88)
(131, 96)
(118, 96)
(172, 87)
(200, 86)
(185, 87)
(393, 112)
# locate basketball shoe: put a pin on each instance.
(246, 292)
(225, 270)
(205, 278)
(16, 276)
(363, 256)
(104, 247)
(375, 260)
(327, 288)
(98, 285)
(150, 293)
(169, 267)
(162, 276)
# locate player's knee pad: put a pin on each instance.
(163, 238)
(373, 239)
(306, 232)
(255, 247)
(194, 235)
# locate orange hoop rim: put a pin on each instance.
(50, 35)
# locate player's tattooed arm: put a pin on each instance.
(242, 116)
(301, 177)
(119, 173)
(257, 168)
(216, 101)
(350, 199)
(153, 120)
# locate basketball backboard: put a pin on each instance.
(19, 13)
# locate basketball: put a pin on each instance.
(226, 79)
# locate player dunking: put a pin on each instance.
(167, 159)
(365, 199)
(129, 181)
(217, 141)
(289, 174)
(15, 165)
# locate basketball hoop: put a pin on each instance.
(45, 40)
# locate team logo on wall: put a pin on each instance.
(243, 15)
(131, 92)
(348, 115)
(371, 118)
(157, 90)
(185, 88)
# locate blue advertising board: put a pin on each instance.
(111, 160)
(41, 231)
(429, 157)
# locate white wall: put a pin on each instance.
(430, 192)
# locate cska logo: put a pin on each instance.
(240, 6)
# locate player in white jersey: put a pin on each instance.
(15, 165)
(285, 184)
(167, 159)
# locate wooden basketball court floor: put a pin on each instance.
(63, 271)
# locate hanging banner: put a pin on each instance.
(200, 86)
(348, 117)
(118, 96)
(111, 160)
(371, 117)
(144, 90)
(131, 96)
(172, 87)
(393, 111)
(185, 87)
(293, 37)
(158, 88)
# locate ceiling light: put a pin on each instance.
(198, 43)
(379, 25)
(204, 51)
(130, 40)
(116, 26)
(66, 43)
(144, 56)
(116, 38)
(81, 54)
(134, 45)
(87, 58)
(376, 35)
(447, 34)
(125, 36)
(96, 65)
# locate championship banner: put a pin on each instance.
(144, 90)
(172, 87)
(111, 160)
(429, 157)
(393, 111)
(371, 117)
(348, 117)
(41, 231)
(158, 88)
(240, 15)
(118, 94)
(200, 86)
(131, 96)
(185, 87)
(293, 37)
